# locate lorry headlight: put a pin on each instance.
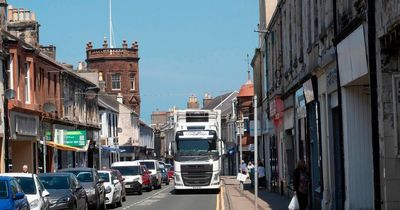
(216, 177)
(177, 178)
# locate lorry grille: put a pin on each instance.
(196, 175)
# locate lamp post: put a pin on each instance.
(255, 155)
(8, 95)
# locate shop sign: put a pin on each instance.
(76, 138)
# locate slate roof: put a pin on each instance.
(223, 103)
(108, 102)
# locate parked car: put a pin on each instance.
(33, 189)
(154, 167)
(130, 171)
(93, 185)
(164, 177)
(146, 178)
(171, 173)
(65, 191)
(121, 180)
(113, 188)
(11, 195)
(162, 164)
(168, 166)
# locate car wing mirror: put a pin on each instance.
(79, 187)
(19, 195)
(45, 193)
(116, 181)
(101, 181)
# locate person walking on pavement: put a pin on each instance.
(301, 184)
(243, 167)
(25, 169)
(250, 170)
(261, 174)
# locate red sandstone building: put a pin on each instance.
(118, 70)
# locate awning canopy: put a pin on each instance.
(65, 147)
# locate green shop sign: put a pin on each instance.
(75, 138)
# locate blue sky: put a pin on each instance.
(186, 46)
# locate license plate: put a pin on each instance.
(196, 188)
(128, 186)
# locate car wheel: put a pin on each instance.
(119, 203)
(124, 198)
(140, 191)
(72, 207)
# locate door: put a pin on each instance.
(339, 193)
(314, 156)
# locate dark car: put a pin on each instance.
(65, 191)
(12, 195)
(164, 176)
(93, 185)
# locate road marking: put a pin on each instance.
(217, 205)
(148, 198)
(222, 198)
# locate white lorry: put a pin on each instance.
(197, 149)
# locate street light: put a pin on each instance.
(255, 155)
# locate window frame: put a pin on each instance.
(132, 81)
(27, 82)
(114, 80)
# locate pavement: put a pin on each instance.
(245, 200)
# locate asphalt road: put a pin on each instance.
(165, 198)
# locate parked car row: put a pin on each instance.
(81, 188)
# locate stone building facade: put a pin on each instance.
(324, 90)
(118, 68)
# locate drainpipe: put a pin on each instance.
(374, 100)
(339, 91)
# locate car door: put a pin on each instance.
(79, 193)
(99, 186)
(43, 200)
(20, 204)
(117, 186)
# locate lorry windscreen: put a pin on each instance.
(196, 145)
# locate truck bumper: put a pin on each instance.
(213, 184)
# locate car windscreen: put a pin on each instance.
(83, 176)
(3, 189)
(55, 182)
(127, 170)
(149, 165)
(27, 184)
(104, 176)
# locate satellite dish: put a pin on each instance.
(9, 94)
(49, 107)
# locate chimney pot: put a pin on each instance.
(124, 44)
(105, 44)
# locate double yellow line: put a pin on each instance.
(220, 200)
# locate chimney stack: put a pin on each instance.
(192, 103)
(207, 99)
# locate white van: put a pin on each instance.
(131, 172)
(154, 167)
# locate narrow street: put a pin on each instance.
(165, 198)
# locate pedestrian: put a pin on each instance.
(261, 175)
(243, 167)
(301, 182)
(25, 168)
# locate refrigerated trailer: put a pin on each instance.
(197, 149)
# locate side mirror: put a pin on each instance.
(101, 181)
(115, 181)
(79, 187)
(19, 195)
(45, 193)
